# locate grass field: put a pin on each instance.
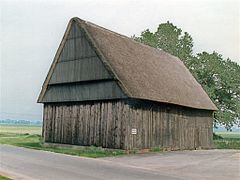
(229, 135)
(20, 129)
(35, 142)
(4, 178)
(29, 137)
(230, 140)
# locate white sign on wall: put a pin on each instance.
(134, 131)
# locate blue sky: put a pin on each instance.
(32, 30)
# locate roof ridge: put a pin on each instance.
(121, 35)
(128, 38)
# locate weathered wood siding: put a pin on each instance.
(79, 74)
(84, 69)
(78, 61)
(109, 124)
(83, 92)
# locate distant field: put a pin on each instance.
(229, 135)
(231, 140)
(20, 129)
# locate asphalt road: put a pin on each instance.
(21, 163)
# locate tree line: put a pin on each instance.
(218, 76)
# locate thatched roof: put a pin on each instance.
(144, 72)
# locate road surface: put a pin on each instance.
(21, 163)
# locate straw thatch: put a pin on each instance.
(144, 72)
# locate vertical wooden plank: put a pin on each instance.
(105, 138)
(101, 130)
(56, 136)
(49, 137)
(70, 125)
(162, 125)
(91, 124)
(45, 118)
(52, 123)
(87, 122)
(124, 126)
(145, 119)
(118, 124)
(60, 124)
(143, 130)
(142, 138)
(99, 115)
(177, 128)
(149, 127)
(64, 125)
(109, 125)
(138, 125)
(81, 125)
(48, 122)
(210, 119)
(74, 122)
(95, 124)
(158, 124)
(113, 124)
(154, 127)
(131, 125)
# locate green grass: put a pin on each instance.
(4, 178)
(34, 141)
(156, 149)
(229, 135)
(230, 140)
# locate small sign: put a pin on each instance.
(134, 131)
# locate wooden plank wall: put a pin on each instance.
(84, 69)
(78, 61)
(109, 124)
(98, 124)
(79, 74)
(83, 91)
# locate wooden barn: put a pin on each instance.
(105, 89)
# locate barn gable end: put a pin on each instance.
(79, 74)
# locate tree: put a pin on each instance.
(220, 78)
(170, 39)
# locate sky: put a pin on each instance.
(31, 31)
